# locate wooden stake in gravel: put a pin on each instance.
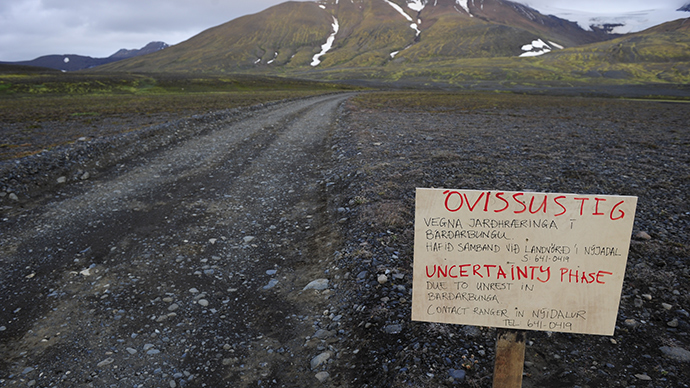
(510, 358)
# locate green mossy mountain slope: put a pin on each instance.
(442, 41)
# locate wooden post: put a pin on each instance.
(510, 358)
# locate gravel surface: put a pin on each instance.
(184, 266)
(272, 246)
(516, 143)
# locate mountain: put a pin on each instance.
(439, 41)
(369, 32)
(685, 8)
(79, 62)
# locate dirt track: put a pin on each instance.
(185, 264)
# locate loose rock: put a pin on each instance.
(320, 359)
(457, 374)
(643, 236)
(105, 362)
(393, 329)
(272, 283)
(382, 279)
(676, 353)
(322, 376)
(318, 284)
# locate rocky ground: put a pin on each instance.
(273, 246)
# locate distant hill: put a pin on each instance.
(10, 68)
(74, 62)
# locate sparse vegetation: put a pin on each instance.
(45, 110)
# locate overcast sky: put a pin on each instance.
(98, 28)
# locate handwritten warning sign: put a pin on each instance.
(521, 260)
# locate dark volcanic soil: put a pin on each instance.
(516, 143)
(183, 261)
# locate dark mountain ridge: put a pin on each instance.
(73, 62)
(148, 49)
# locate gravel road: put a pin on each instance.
(184, 266)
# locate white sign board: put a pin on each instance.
(520, 260)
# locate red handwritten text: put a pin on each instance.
(490, 271)
(532, 203)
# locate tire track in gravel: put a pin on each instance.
(187, 268)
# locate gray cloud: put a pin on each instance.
(98, 28)
(610, 6)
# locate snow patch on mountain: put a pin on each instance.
(614, 23)
(326, 46)
(464, 5)
(556, 45)
(537, 47)
(401, 11)
(416, 5)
